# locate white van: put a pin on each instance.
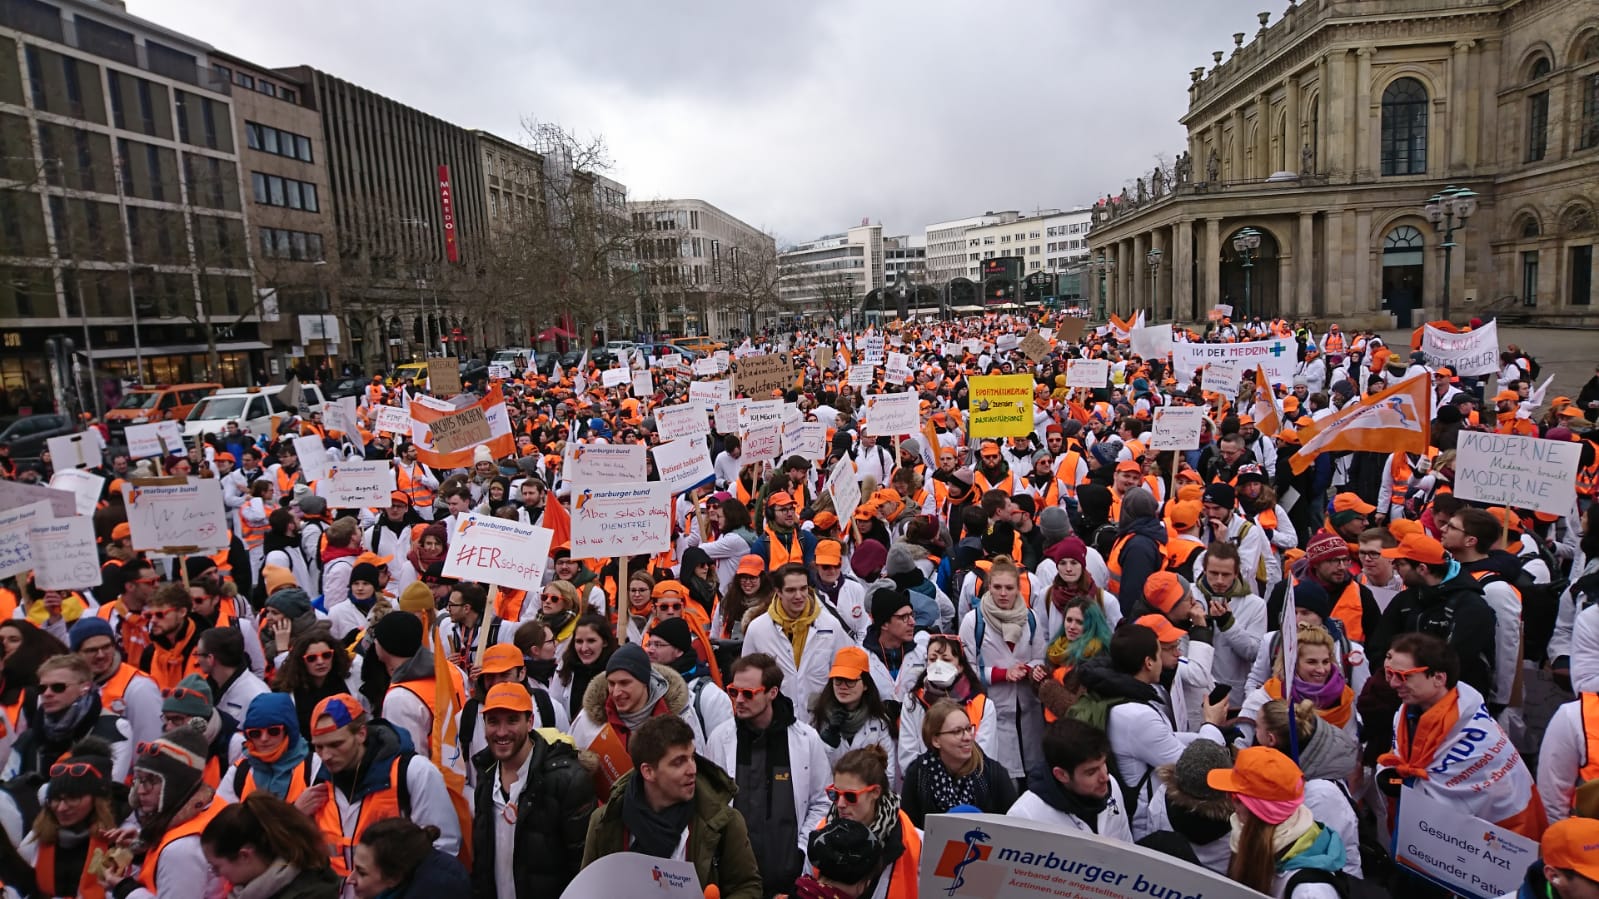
(520, 359)
(251, 407)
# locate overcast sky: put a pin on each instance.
(801, 118)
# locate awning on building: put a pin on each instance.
(182, 349)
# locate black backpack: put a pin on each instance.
(1540, 603)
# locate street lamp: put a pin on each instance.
(1448, 210)
(1104, 265)
(1245, 243)
(1153, 258)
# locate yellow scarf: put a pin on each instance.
(796, 629)
(72, 608)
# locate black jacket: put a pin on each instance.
(552, 819)
(1142, 556)
(1454, 610)
(995, 792)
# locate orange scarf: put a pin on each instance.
(1416, 751)
(1337, 716)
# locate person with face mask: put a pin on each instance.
(948, 675)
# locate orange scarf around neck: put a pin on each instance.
(1415, 751)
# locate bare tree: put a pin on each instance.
(750, 276)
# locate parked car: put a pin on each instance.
(158, 402)
(655, 350)
(702, 345)
(252, 407)
(347, 387)
(29, 434)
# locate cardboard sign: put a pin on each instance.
(892, 414)
(1035, 347)
(846, 491)
(1526, 472)
(65, 556)
(498, 551)
(709, 393)
(80, 450)
(63, 504)
(704, 367)
(1091, 373)
(155, 440)
(1176, 428)
(1002, 857)
(634, 874)
(643, 384)
(466, 428)
(762, 443)
(313, 456)
(806, 439)
(1001, 405)
(824, 357)
(358, 485)
(615, 377)
(682, 463)
(174, 515)
(444, 377)
(1071, 329)
(16, 546)
(84, 487)
(686, 420)
(760, 375)
(621, 520)
(393, 420)
(1473, 353)
(1463, 854)
(604, 463)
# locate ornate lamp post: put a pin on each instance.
(1448, 210)
(1153, 258)
(1246, 242)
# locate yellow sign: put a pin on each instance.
(1001, 406)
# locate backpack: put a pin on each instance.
(1532, 368)
(1540, 603)
(1338, 880)
(1104, 539)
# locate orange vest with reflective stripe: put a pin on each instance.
(1007, 484)
(410, 484)
(189, 828)
(1588, 479)
(251, 536)
(1114, 563)
(375, 807)
(286, 486)
(297, 782)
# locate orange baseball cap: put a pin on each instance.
(1417, 548)
(850, 663)
(1404, 527)
(1245, 420)
(829, 552)
(508, 698)
(1184, 515)
(825, 520)
(500, 658)
(371, 558)
(1129, 465)
(751, 565)
(1289, 436)
(122, 532)
(1260, 772)
(1510, 520)
(669, 588)
(1351, 502)
(780, 498)
(1573, 844)
(1164, 590)
(1507, 396)
(1165, 631)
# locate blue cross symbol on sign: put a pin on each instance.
(1277, 350)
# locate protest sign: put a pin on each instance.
(792, 414)
(615, 377)
(874, 349)
(444, 377)
(1006, 343)
(859, 376)
(683, 463)
(313, 456)
(155, 440)
(176, 515)
(845, 489)
(1223, 377)
(1003, 857)
(762, 443)
(358, 485)
(460, 430)
(499, 371)
(493, 550)
(1153, 342)
(632, 873)
(897, 374)
(643, 384)
(686, 420)
(1092, 373)
(16, 546)
(824, 357)
(80, 450)
(756, 413)
(1465, 855)
(898, 360)
(670, 362)
(1278, 356)
(393, 420)
(974, 346)
(722, 360)
(604, 463)
(1473, 353)
(1526, 472)
(62, 503)
(84, 487)
(892, 414)
(725, 416)
(1071, 329)
(1034, 346)
(806, 439)
(1176, 428)
(343, 416)
(621, 520)
(709, 393)
(760, 375)
(65, 556)
(1001, 405)
(703, 367)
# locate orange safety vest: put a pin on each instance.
(410, 484)
(374, 394)
(131, 628)
(1588, 480)
(251, 536)
(1066, 471)
(423, 688)
(168, 667)
(1114, 564)
(375, 806)
(983, 486)
(1590, 730)
(116, 686)
(297, 782)
(89, 886)
(286, 486)
(1348, 610)
(8, 603)
(190, 828)
(779, 554)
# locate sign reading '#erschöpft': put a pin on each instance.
(498, 551)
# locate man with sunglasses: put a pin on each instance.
(124, 689)
(174, 634)
(68, 710)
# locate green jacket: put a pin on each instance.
(718, 841)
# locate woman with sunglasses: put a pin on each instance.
(316, 667)
(592, 643)
(268, 849)
(277, 758)
(80, 805)
(947, 676)
(747, 598)
(861, 793)
(953, 771)
(559, 610)
(23, 648)
(850, 715)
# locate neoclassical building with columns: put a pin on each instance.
(1328, 132)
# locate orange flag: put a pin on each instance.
(1398, 419)
(556, 519)
(1268, 415)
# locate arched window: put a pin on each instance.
(1529, 228)
(1404, 128)
(1540, 67)
(1405, 238)
(1588, 92)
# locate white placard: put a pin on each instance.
(64, 553)
(873, 354)
(621, 520)
(709, 393)
(845, 489)
(898, 360)
(1005, 343)
(615, 377)
(1278, 356)
(759, 413)
(1153, 342)
(499, 371)
(153, 441)
(313, 455)
(670, 362)
(1524, 472)
(1092, 373)
(806, 439)
(1223, 377)
(1473, 353)
(16, 546)
(84, 487)
(358, 485)
(860, 375)
(80, 450)
(172, 517)
(643, 384)
(686, 420)
(723, 359)
(726, 417)
(344, 416)
(683, 463)
(632, 874)
(974, 347)
(498, 551)
(393, 420)
(1225, 309)
(706, 367)
(1464, 854)
(762, 443)
(1176, 428)
(604, 463)
(13, 494)
(892, 414)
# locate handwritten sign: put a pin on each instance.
(726, 417)
(686, 420)
(465, 428)
(762, 443)
(1462, 853)
(873, 354)
(806, 439)
(1503, 469)
(892, 414)
(604, 463)
(760, 375)
(683, 463)
(1001, 406)
(176, 514)
(860, 375)
(1176, 428)
(344, 416)
(1035, 347)
(16, 546)
(313, 456)
(13, 494)
(1152, 342)
(444, 377)
(80, 450)
(498, 551)
(621, 520)
(84, 487)
(643, 384)
(64, 553)
(706, 367)
(1223, 377)
(1006, 343)
(755, 413)
(393, 420)
(358, 485)
(615, 377)
(1071, 329)
(1091, 373)
(845, 490)
(155, 440)
(709, 393)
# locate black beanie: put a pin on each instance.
(366, 572)
(675, 632)
(628, 658)
(886, 603)
(399, 634)
(1311, 597)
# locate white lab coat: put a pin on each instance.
(1112, 824)
(803, 681)
(1018, 714)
